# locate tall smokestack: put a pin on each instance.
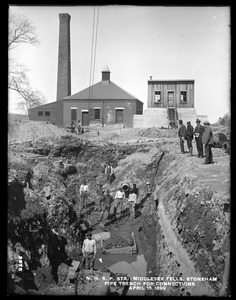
(64, 67)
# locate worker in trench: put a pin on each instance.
(120, 199)
(132, 200)
(135, 190)
(100, 195)
(148, 188)
(105, 203)
(83, 192)
(110, 173)
(89, 251)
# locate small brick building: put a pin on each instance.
(104, 103)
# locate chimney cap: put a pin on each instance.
(150, 77)
(64, 16)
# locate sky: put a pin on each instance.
(135, 42)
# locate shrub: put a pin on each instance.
(226, 120)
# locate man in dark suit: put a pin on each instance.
(198, 131)
(208, 141)
(181, 134)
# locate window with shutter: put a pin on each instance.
(183, 96)
(157, 96)
(97, 113)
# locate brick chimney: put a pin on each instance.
(64, 66)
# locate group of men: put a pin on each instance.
(131, 195)
(80, 129)
(104, 198)
(203, 136)
(89, 249)
(104, 204)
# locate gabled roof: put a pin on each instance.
(102, 90)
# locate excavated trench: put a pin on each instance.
(170, 242)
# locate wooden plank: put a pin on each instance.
(131, 249)
(72, 270)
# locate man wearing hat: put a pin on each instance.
(189, 137)
(208, 141)
(106, 203)
(109, 172)
(89, 250)
(100, 195)
(181, 134)
(198, 131)
(83, 191)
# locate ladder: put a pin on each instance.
(172, 114)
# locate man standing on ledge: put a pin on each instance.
(207, 140)
(181, 134)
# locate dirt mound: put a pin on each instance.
(32, 130)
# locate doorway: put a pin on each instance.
(171, 98)
(119, 116)
(85, 118)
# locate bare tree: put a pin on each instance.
(22, 30)
(17, 73)
(30, 99)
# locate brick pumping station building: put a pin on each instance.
(103, 103)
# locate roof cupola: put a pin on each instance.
(106, 74)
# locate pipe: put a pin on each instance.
(226, 146)
(125, 187)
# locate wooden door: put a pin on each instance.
(85, 118)
(171, 99)
(119, 116)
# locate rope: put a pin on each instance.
(91, 59)
(93, 53)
